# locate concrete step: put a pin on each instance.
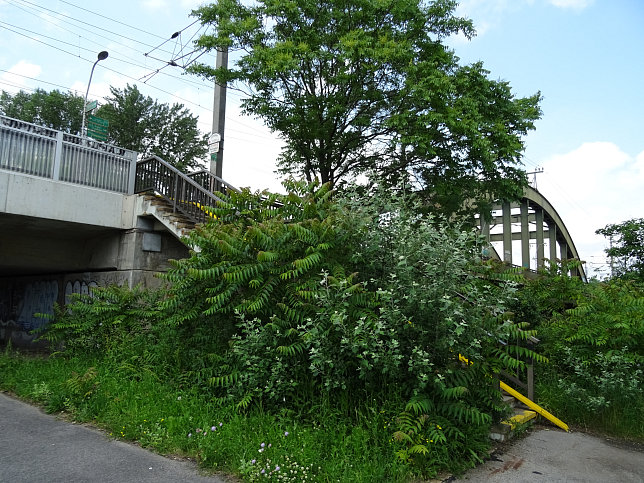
(512, 401)
(519, 421)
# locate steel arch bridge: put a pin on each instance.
(528, 232)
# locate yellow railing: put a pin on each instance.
(531, 404)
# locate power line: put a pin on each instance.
(33, 78)
(138, 29)
(80, 21)
(89, 50)
(45, 16)
(172, 37)
(134, 63)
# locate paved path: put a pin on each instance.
(552, 455)
(36, 447)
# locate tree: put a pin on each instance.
(361, 87)
(140, 123)
(54, 109)
(627, 248)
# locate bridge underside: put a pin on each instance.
(37, 246)
(43, 259)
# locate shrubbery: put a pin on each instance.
(308, 300)
(593, 335)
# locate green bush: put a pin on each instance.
(313, 302)
(289, 300)
(103, 320)
(594, 341)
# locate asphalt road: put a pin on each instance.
(552, 455)
(36, 447)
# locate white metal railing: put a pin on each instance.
(41, 151)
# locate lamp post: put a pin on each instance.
(101, 56)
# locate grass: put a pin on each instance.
(623, 418)
(140, 407)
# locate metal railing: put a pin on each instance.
(40, 151)
(210, 182)
(184, 193)
(524, 377)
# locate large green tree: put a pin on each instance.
(368, 87)
(626, 248)
(144, 125)
(55, 109)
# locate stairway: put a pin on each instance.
(174, 221)
(521, 417)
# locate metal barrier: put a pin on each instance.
(210, 182)
(40, 151)
(180, 190)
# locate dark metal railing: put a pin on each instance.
(40, 151)
(212, 183)
(184, 193)
(524, 379)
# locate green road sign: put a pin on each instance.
(90, 106)
(97, 128)
(98, 121)
(97, 135)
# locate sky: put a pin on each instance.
(586, 57)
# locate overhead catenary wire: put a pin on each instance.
(172, 37)
(77, 52)
(12, 2)
(35, 79)
(134, 62)
(118, 58)
(138, 29)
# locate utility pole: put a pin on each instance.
(218, 119)
(612, 265)
(534, 178)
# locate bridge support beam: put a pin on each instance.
(514, 222)
(525, 235)
(540, 240)
(507, 232)
(552, 241)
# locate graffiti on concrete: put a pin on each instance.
(23, 301)
(38, 298)
(77, 287)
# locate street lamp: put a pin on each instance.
(101, 56)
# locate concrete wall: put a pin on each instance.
(35, 197)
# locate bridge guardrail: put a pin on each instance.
(41, 151)
(212, 183)
(180, 190)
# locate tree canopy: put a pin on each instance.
(58, 110)
(136, 122)
(369, 88)
(144, 125)
(627, 248)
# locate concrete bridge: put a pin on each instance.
(76, 213)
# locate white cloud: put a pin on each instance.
(571, 4)
(16, 76)
(592, 186)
